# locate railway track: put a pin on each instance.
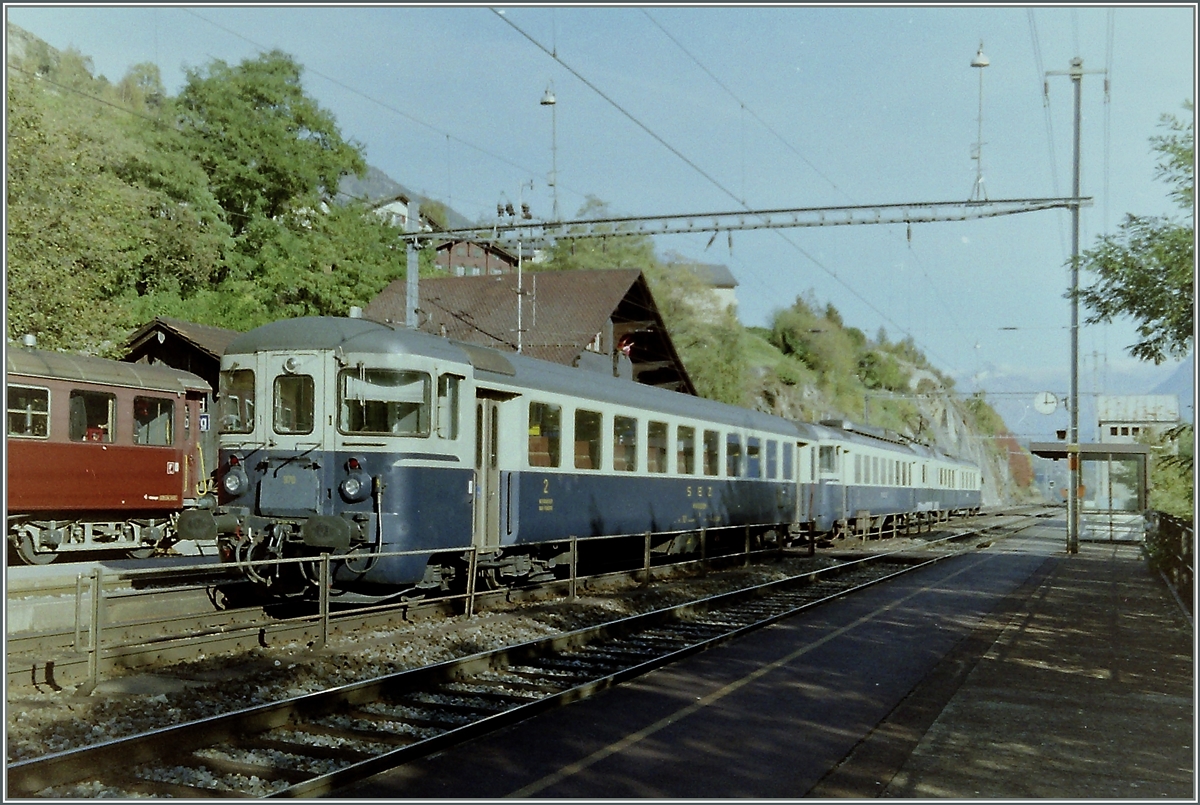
(320, 742)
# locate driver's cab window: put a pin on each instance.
(235, 408)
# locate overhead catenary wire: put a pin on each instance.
(657, 138)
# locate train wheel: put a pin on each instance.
(29, 555)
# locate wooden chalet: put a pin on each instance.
(605, 320)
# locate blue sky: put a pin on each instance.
(779, 106)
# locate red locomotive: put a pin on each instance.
(102, 455)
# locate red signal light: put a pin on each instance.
(353, 464)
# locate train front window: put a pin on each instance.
(383, 401)
(294, 403)
(93, 416)
(235, 408)
(28, 412)
(152, 420)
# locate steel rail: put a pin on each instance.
(99, 761)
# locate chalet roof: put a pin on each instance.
(713, 274)
(206, 338)
(563, 313)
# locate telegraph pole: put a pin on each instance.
(1074, 496)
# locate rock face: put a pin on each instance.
(1006, 467)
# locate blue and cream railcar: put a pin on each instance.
(354, 437)
(863, 471)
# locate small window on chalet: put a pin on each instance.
(656, 447)
(624, 444)
(28, 412)
(93, 416)
(152, 420)
(685, 450)
(587, 439)
(545, 434)
(712, 452)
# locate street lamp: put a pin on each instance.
(549, 100)
(978, 193)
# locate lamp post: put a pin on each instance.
(978, 193)
(549, 100)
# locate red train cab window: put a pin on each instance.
(28, 412)
(93, 416)
(153, 420)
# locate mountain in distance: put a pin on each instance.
(377, 186)
(1182, 383)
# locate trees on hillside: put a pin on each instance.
(1146, 270)
(124, 203)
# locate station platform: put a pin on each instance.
(1015, 671)
(1087, 691)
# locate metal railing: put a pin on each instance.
(1170, 550)
(91, 596)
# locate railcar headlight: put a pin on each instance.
(352, 487)
(356, 486)
(235, 482)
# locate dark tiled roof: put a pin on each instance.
(207, 338)
(563, 312)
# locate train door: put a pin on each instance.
(296, 386)
(487, 473)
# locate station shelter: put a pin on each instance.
(1114, 487)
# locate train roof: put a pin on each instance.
(849, 433)
(493, 366)
(42, 364)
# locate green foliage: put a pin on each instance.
(591, 253)
(98, 213)
(708, 338)
(1172, 473)
(116, 214)
(267, 147)
(1146, 271)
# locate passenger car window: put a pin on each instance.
(93, 416)
(153, 418)
(772, 449)
(386, 401)
(28, 411)
(656, 447)
(788, 450)
(545, 434)
(733, 455)
(685, 450)
(235, 408)
(624, 444)
(712, 452)
(448, 396)
(753, 457)
(828, 459)
(587, 440)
